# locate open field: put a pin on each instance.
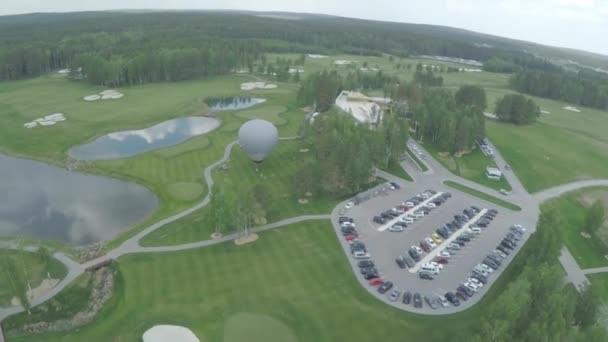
(588, 252)
(297, 277)
(32, 269)
(471, 166)
(482, 195)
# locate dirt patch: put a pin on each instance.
(303, 201)
(304, 150)
(216, 235)
(586, 235)
(44, 287)
(243, 240)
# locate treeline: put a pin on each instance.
(585, 88)
(34, 44)
(515, 108)
(446, 123)
(536, 305)
(346, 154)
(510, 63)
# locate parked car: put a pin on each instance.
(350, 237)
(343, 219)
(400, 262)
(461, 296)
(407, 297)
(441, 260)
(394, 295)
(371, 275)
(436, 238)
(425, 275)
(385, 287)
(395, 185)
(430, 302)
(425, 247)
(417, 300)
(349, 205)
(376, 281)
(361, 255)
(466, 290)
(430, 242)
(454, 246)
(408, 261)
(365, 263)
(396, 228)
(414, 255)
(379, 220)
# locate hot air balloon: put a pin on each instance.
(258, 137)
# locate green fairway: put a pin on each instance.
(588, 252)
(276, 174)
(482, 195)
(295, 280)
(33, 269)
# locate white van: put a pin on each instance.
(429, 268)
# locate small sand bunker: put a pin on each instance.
(171, 333)
(572, 109)
(343, 62)
(295, 70)
(257, 85)
(109, 94)
(542, 111)
(316, 56)
(48, 120)
(63, 71)
(45, 286)
(369, 69)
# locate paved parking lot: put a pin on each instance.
(385, 246)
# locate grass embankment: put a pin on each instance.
(422, 166)
(32, 268)
(395, 169)
(482, 195)
(588, 252)
(297, 277)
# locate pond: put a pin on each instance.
(50, 203)
(233, 102)
(129, 143)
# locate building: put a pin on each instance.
(493, 173)
(363, 108)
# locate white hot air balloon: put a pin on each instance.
(258, 137)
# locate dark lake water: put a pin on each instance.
(50, 203)
(233, 102)
(129, 143)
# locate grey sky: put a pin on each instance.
(581, 24)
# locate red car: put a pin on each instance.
(350, 237)
(441, 260)
(376, 281)
(425, 247)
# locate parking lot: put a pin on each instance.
(383, 246)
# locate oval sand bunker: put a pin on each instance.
(169, 333)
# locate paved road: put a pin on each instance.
(559, 190)
(574, 273)
(595, 270)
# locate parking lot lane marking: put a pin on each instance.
(432, 254)
(413, 210)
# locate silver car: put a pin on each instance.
(394, 295)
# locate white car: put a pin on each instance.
(430, 242)
(487, 268)
(504, 192)
(347, 224)
(454, 246)
(481, 270)
(349, 205)
(418, 250)
(409, 204)
(475, 281)
(408, 219)
(431, 205)
(443, 301)
(361, 255)
(419, 214)
(426, 195)
(474, 230)
(396, 229)
(436, 264)
(471, 286)
(444, 254)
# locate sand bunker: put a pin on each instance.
(257, 85)
(369, 69)
(63, 71)
(316, 56)
(173, 333)
(469, 70)
(343, 62)
(109, 94)
(572, 109)
(45, 286)
(48, 120)
(295, 70)
(545, 112)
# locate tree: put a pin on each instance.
(595, 216)
(471, 95)
(515, 108)
(220, 216)
(587, 307)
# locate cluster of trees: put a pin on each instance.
(594, 217)
(515, 108)
(536, 306)
(346, 154)
(427, 78)
(449, 125)
(585, 88)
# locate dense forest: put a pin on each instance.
(586, 87)
(139, 47)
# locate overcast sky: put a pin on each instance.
(581, 24)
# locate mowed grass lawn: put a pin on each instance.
(295, 280)
(31, 268)
(588, 252)
(275, 174)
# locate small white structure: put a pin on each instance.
(316, 56)
(363, 108)
(169, 333)
(64, 71)
(572, 109)
(493, 173)
(257, 85)
(295, 70)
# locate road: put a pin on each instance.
(436, 174)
